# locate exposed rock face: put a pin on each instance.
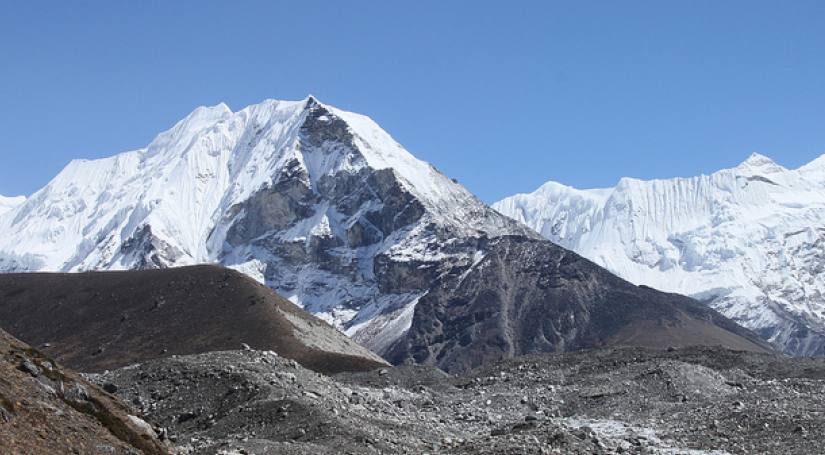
(146, 251)
(99, 320)
(46, 409)
(525, 296)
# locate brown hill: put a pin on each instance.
(45, 409)
(102, 320)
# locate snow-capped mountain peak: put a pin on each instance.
(319, 203)
(757, 159)
(750, 239)
(757, 163)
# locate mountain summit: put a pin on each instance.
(760, 163)
(327, 209)
(749, 240)
(320, 204)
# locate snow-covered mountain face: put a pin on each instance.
(749, 240)
(320, 204)
(8, 203)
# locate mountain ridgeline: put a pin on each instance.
(325, 208)
(749, 241)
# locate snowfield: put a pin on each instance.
(8, 203)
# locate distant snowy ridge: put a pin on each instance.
(320, 204)
(750, 240)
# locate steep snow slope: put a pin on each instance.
(749, 240)
(320, 204)
(8, 203)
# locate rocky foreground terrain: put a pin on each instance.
(618, 400)
(47, 409)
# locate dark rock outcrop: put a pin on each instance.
(527, 296)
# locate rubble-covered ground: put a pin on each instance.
(624, 400)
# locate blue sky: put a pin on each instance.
(500, 95)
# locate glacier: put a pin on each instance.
(749, 240)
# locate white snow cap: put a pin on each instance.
(760, 163)
(757, 159)
(186, 181)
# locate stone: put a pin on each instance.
(29, 367)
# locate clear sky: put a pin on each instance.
(500, 95)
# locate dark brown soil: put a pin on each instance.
(103, 320)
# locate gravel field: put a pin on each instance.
(623, 400)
